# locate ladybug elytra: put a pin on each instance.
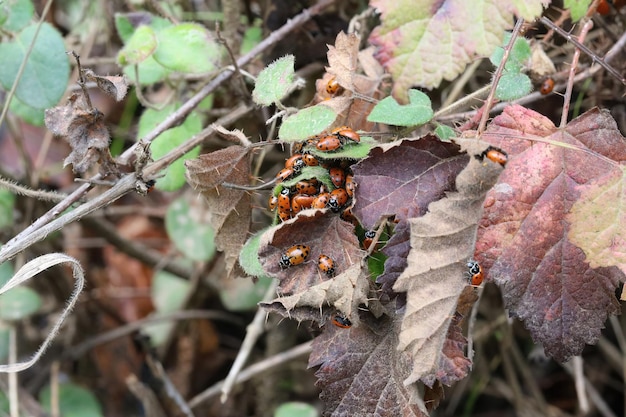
(295, 255)
(326, 265)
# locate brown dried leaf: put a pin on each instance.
(441, 243)
(325, 233)
(361, 372)
(84, 129)
(345, 293)
(116, 86)
(524, 237)
(230, 209)
(342, 58)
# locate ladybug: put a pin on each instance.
(345, 134)
(150, 185)
(341, 321)
(338, 199)
(295, 255)
(307, 187)
(284, 174)
(496, 155)
(273, 202)
(337, 176)
(300, 202)
(310, 160)
(295, 163)
(321, 201)
(475, 272)
(326, 265)
(332, 86)
(328, 144)
(350, 185)
(284, 204)
(547, 86)
(369, 238)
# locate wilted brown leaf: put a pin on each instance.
(83, 127)
(441, 243)
(361, 372)
(321, 230)
(116, 86)
(230, 209)
(523, 240)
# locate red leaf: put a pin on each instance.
(523, 239)
(361, 372)
(405, 177)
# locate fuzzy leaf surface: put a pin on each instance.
(550, 284)
(442, 241)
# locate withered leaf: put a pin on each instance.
(524, 239)
(344, 293)
(442, 241)
(84, 129)
(405, 177)
(325, 233)
(116, 86)
(230, 209)
(342, 58)
(361, 373)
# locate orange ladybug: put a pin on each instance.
(341, 321)
(475, 273)
(295, 255)
(547, 86)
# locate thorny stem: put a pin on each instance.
(572, 73)
(583, 48)
(32, 234)
(497, 75)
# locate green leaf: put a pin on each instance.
(251, 38)
(306, 174)
(376, 264)
(187, 47)
(518, 57)
(307, 123)
(46, 74)
(352, 150)
(7, 204)
(175, 174)
(243, 294)
(30, 115)
(150, 72)
(296, 409)
(445, 133)
(6, 272)
(19, 14)
(389, 111)
(19, 303)
(168, 292)
(249, 256)
(127, 23)
(193, 239)
(512, 86)
(74, 401)
(578, 8)
(275, 81)
(139, 47)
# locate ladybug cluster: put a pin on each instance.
(311, 193)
